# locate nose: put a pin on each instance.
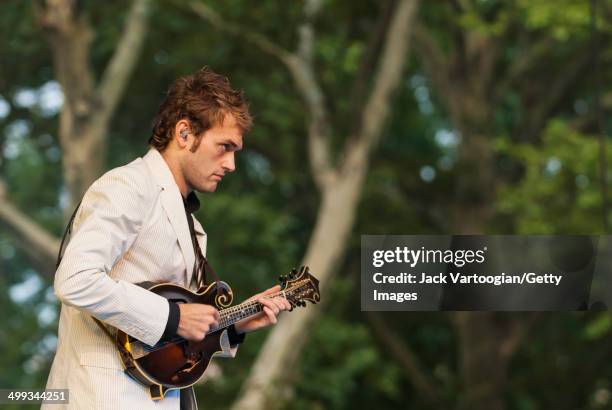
(229, 165)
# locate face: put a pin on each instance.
(204, 168)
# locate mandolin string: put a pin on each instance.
(241, 306)
(227, 313)
(244, 304)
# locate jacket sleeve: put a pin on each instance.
(107, 224)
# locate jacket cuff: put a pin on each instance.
(234, 337)
(174, 316)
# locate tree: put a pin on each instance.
(476, 74)
(86, 112)
(339, 184)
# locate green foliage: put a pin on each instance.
(346, 362)
(563, 19)
(599, 327)
(559, 191)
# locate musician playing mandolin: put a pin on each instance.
(134, 226)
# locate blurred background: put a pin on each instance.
(371, 117)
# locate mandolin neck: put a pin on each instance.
(236, 313)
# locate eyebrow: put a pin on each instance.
(233, 144)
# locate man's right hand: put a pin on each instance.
(195, 320)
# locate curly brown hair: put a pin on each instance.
(204, 99)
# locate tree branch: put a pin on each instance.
(368, 62)
(39, 245)
(120, 67)
(518, 330)
(523, 62)
(587, 123)
(408, 361)
(300, 67)
(250, 36)
(555, 91)
(319, 128)
(69, 36)
(390, 67)
(435, 63)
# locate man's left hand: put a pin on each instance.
(271, 309)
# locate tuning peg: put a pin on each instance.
(282, 278)
(294, 271)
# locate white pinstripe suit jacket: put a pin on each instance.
(131, 227)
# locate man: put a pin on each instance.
(132, 226)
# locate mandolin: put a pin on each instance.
(180, 363)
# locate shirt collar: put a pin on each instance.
(192, 203)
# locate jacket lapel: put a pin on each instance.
(172, 203)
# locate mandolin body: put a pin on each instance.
(178, 363)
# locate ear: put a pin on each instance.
(182, 134)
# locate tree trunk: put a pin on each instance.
(88, 107)
(482, 365)
(340, 191)
(83, 161)
(325, 251)
(85, 115)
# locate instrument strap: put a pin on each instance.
(201, 266)
(67, 232)
(105, 329)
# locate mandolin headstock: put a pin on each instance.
(300, 286)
